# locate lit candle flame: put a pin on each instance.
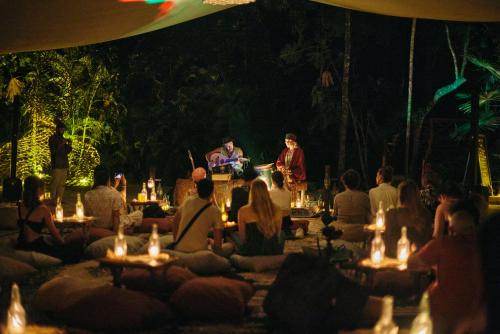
(154, 251)
(377, 257)
(79, 212)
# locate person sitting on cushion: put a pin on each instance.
(449, 195)
(239, 195)
(33, 217)
(457, 289)
(410, 213)
(259, 224)
(352, 206)
(282, 197)
(196, 237)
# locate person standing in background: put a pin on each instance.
(59, 150)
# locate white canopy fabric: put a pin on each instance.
(31, 25)
(449, 10)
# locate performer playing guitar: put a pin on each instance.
(227, 154)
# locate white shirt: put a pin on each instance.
(281, 197)
(101, 202)
(384, 193)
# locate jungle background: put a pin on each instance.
(256, 72)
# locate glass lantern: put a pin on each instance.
(403, 247)
(385, 325)
(16, 315)
(79, 207)
(154, 243)
(377, 249)
(422, 324)
(59, 210)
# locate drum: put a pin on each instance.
(265, 173)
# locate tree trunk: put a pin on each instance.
(344, 116)
(410, 96)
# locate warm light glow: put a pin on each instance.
(59, 214)
(377, 257)
(227, 2)
(120, 243)
(403, 247)
(228, 203)
(153, 196)
(298, 204)
(79, 213)
(377, 249)
(379, 223)
(151, 183)
(16, 316)
(224, 217)
(154, 243)
(403, 255)
(79, 207)
(153, 251)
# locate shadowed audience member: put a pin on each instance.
(282, 197)
(384, 192)
(239, 195)
(410, 213)
(457, 290)
(351, 206)
(449, 195)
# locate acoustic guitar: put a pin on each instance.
(217, 160)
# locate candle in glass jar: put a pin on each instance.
(16, 315)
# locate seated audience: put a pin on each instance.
(197, 175)
(282, 197)
(239, 195)
(196, 236)
(33, 217)
(410, 213)
(351, 206)
(103, 201)
(259, 224)
(457, 290)
(384, 192)
(449, 195)
(430, 191)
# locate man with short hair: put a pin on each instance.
(384, 192)
(352, 206)
(59, 150)
(226, 155)
(196, 237)
(457, 289)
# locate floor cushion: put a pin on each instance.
(98, 248)
(212, 298)
(11, 269)
(110, 309)
(257, 263)
(61, 292)
(202, 262)
(35, 259)
(164, 225)
(161, 281)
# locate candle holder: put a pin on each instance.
(403, 247)
(154, 243)
(79, 206)
(377, 249)
(16, 315)
(59, 210)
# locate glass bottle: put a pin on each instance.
(16, 315)
(153, 194)
(422, 324)
(380, 217)
(159, 191)
(377, 249)
(59, 210)
(151, 183)
(403, 247)
(144, 193)
(385, 325)
(154, 243)
(120, 242)
(79, 206)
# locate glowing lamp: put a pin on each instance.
(151, 183)
(377, 249)
(403, 247)
(16, 315)
(154, 243)
(59, 210)
(79, 207)
(153, 195)
(120, 243)
(224, 217)
(228, 203)
(422, 324)
(380, 217)
(385, 324)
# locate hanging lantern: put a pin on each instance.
(377, 249)
(154, 243)
(403, 247)
(79, 207)
(16, 315)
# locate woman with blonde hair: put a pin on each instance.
(410, 213)
(259, 223)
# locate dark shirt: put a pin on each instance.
(59, 149)
(239, 198)
(256, 244)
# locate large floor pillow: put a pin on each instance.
(110, 309)
(163, 281)
(202, 262)
(212, 298)
(352, 232)
(98, 248)
(164, 241)
(35, 259)
(11, 270)
(61, 292)
(257, 263)
(164, 225)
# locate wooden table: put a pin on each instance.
(117, 264)
(76, 222)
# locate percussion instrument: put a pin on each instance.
(265, 172)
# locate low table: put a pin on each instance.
(117, 264)
(76, 222)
